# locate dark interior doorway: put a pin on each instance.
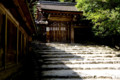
(82, 35)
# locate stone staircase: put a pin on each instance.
(78, 62)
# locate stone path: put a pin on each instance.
(77, 62)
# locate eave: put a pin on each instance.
(62, 12)
(19, 9)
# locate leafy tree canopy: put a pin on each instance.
(104, 14)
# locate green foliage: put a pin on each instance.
(61, 0)
(32, 6)
(104, 14)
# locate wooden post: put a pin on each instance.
(64, 32)
(21, 51)
(52, 37)
(48, 34)
(17, 45)
(57, 32)
(69, 25)
(25, 45)
(5, 41)
(60, 31)
(67, 33)
(72, 33)
(54, 32)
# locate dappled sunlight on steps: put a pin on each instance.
(77, 62)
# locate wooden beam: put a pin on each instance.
(9, 15)
(82, 26)
(23, 31)
(16, 2)
(63, 12)
(59, 18)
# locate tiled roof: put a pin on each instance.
(61, 6)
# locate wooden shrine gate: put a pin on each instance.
(61, 18)
(58, 32)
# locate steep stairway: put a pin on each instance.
(77, 62)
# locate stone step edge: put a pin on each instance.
(83, 77)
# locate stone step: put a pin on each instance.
(74, 79)
(79, 78)
(61, 79)
(83, 62)
(50, 51)
(107, 66)
(77, 48)
(81, 68)
(78, 62)
(69, 50)
(103, 58)
(83, 74)
(62, 52)
(59, 59)
(77, 55)
(83, 59)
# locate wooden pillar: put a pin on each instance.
(60, 31)
(58, 27)
(48, 34)
(65, 31)
(72, 33)
(24, 45)
(1, 41)
(54, 32)
(69, 32)
(51, 33)
(27, 50)
(17, 45)
(5, 41)
(21, 51)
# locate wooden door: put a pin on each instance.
(58, 32)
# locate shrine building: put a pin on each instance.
(61, 22)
